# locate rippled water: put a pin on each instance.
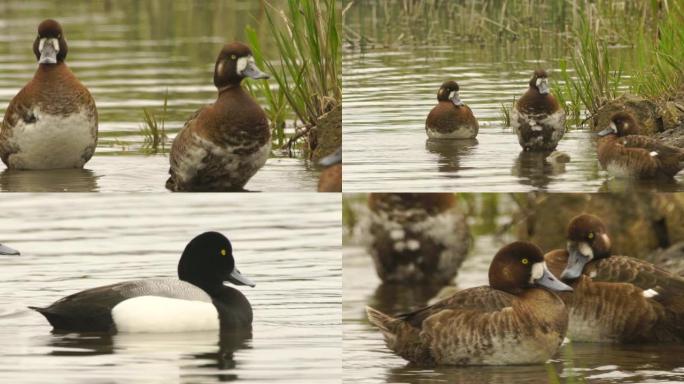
(366, 359)
(290, 247)
(129, 54)
(388, 93)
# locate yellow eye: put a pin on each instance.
(591, 235)
(233, 57)
(223, 252)
(525, 261)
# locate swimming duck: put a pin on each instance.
(52, 122)
(512, 321)
(615, 298)
(331, 177)
(198, 301)
(625, 153)
(537, 118)
(5, 250)
(224, 144)
(415, 237)
(450, 118)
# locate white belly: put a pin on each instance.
(54, 141)
(156, 314)
(462, 132)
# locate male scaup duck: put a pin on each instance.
(615, 298)
(198, 301)
(52, 122)
(512, 321)
(450, 118)
(625, 153)
(415, 237)
(223, 144)
(331, 177)
(5, 250)
(537, 118)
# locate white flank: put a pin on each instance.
(397, 234)
(618, 170)
(413, 245)
(53, 141)
(650, 293)
(156, 314)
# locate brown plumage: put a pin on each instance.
(330, 179)
(625, 153)
(512, 321)
(616, 298)
(537, 118)
(451, 118)
(223, 144)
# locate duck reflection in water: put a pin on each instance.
(538, 168)
(450, 152)
(53, 180)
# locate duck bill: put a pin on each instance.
(332, 159)
(543, 87)
(456, 100)
(251, 70)
(611, 130)
(548, 280)
(49, 48)
(4, 250)
(576, 262)
(237, 278)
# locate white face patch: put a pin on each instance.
(613, 127)
(585, 250)
(452, 94)
(537, 271)
(242, 63)
(51, 41)
(650, 293)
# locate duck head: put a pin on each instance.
(234, 63)
(520, 265)
(621, 124)
(587, 241)
(5, 250)
(449, 92)
(207, 262)
(50, 46)
(540, 81)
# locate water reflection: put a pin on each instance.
(533, 168)
(54, 180)
(450, 152)
(398, 298)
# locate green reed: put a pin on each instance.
(153, 129)
(567, 95)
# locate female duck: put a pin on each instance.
(537, 118)
(625, 153)
(197, 302)
(615, 298)
(451, 118)
(52, 122)
(415, 237)
(512, 321)
(224, 144)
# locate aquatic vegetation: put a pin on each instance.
(308, 71)
(153, 129)
(568, 96)
(506, 113)
(571, 376)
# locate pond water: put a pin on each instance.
(129, 54)
(389, 91)
(290, 247)
(366, 359)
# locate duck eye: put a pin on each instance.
(233, 57)
(524, 261)
(223, 252)
(590, 235)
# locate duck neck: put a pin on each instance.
(226, 89)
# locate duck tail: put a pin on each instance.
(52, 318)
(388, 325)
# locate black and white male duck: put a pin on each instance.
(624, 153)
(5, 250)
(224, 144)
(415, 237)
(537, 118)
(615, 298)
(451, 118)
(52, 122)
(517, 319)
(196, 301)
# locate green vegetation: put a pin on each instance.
(153, 129)
(569, 365)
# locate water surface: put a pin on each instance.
(290, 247)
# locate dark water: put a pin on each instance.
(290, 247)
(129, 54)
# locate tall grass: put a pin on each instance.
(567, 95)
(153, 130)
(308, 72)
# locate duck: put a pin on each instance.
(451, 118)
(52, 122)
(616, 299)
(196, 301)
(517, 319)
(7, 251)
(415, 237)
(624, 153)
(537, 118)
(222, 145)
(330, 179)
